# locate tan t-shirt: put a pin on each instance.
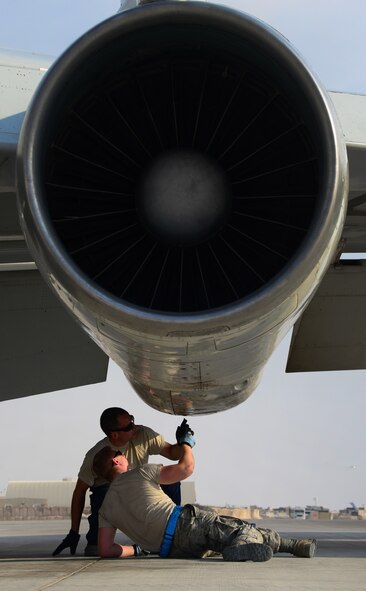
(136, 505)
(137, 451)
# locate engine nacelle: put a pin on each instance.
(182, 185)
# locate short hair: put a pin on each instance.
(108, 418)
(103, 464)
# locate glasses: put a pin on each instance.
(129, 427)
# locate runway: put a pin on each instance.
(26, 563)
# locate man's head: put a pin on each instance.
(107, 465)
(118, 425)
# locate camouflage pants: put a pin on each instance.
(198, 531)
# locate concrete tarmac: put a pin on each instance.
(26, 563)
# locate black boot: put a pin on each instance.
(243, 552)
(302, 548)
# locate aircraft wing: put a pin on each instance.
(42, 348)
(331, 333)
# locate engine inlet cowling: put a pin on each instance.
(229, 133)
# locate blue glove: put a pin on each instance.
(188, 439)
(184, 434)
(183, 430)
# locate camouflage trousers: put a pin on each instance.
(198, 531)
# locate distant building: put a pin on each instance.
(353, 512)
(310, 512)
(298, 513)
(275, 512)
(57, 493)
(39, 499)
(188, 491)
(239, 512)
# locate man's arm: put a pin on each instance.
(181, 471)
(78, 504)
(107, 547)
(171, 452)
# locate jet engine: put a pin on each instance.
(182, 184)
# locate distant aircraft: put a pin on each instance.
(183, 188)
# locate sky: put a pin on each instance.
(300, 438)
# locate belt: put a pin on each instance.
(169, 531)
